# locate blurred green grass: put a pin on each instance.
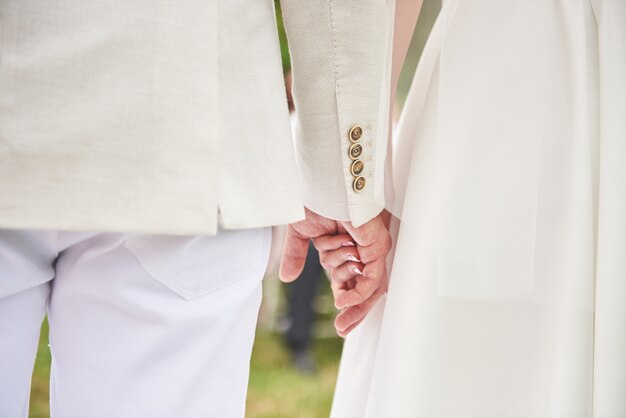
(276, 389)
(39, 392)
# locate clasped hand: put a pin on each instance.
(354, 256)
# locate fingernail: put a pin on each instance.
(348, 244)
(356, 270)
(350, 257)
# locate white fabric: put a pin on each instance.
(508, 283)
(152, 117)
(130, 335)
(338, 55)
(384, 149)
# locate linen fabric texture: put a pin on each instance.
(156, 116)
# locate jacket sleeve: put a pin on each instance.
(338, 58)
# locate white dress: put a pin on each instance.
(507, 293)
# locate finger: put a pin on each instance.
(333, 259)
(374, 277)
(364, 289)
(344, 334)
(377, 271)
(316, 225)
(367, 233)
(346, 271)
(373, 239)
(339, 288)
(294, 255)
(333, 242)
(349, 318)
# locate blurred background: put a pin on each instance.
(296, 351)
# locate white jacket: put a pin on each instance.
(155, 116)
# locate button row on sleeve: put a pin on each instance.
(355, 151)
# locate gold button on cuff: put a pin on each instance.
(356, 132)
(359, 184)
(357, 167)
(355, 151)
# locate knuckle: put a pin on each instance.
(367, 257)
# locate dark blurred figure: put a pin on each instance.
(300, 296)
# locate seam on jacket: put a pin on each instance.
(337, 101)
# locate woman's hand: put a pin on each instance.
(356, 260)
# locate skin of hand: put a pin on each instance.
(358, 273)
(355, 257)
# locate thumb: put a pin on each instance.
(372, 238)
(367, 233)
(294, 255)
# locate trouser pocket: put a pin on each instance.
(194, 266)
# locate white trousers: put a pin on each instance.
(140, 325)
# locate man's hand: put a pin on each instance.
(355, 257)
(297, 243)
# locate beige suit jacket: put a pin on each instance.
(167, 116)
